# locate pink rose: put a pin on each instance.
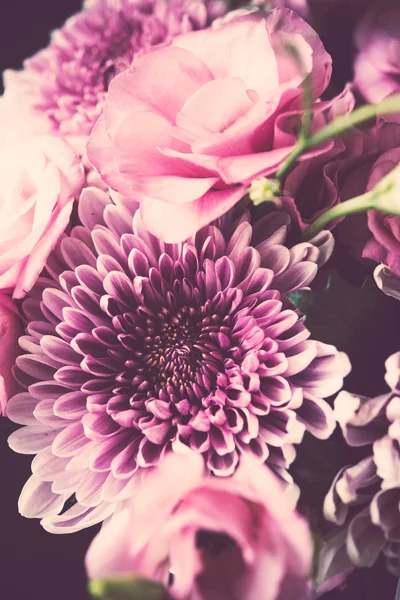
(216, 538)
(377, 66)
(38, 181)
(189, 126)
(10, 329)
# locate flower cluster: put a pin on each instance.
(192, 193)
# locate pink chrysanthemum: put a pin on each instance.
(66, 83)
(135, 347)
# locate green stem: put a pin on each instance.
(337, 127)
(357, 117)
(300, 147)
(355, 205)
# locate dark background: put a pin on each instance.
(36, 565)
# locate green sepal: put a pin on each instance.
(127, 588)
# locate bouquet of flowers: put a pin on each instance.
(199, 293)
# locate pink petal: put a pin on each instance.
(242, 169)
(229, 102)
(37, 258)
(289, 22)
(101, 155)
(108, 554)
(32, 438)
(159, 82)
(144, 169)
(78, 517)
(175, 224)
(240, 49)
(20, 409)
(91, 207)
(37, 500)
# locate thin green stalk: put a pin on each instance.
(338, 127)
(297, 151)
(355, 205)
(357, 117)
(306, 121)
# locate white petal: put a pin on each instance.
(32, 439)
(46, 466)
(67, 482)
(37, 499)
(20, 409)
(78, 517)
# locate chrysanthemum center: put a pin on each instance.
(172, 354)
(175, 349)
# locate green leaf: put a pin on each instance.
(339, 313)
(127, 588)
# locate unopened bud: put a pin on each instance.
(263, 190)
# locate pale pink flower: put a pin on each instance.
(212, 539)
(189, 126)
(38, 181)
(10, 330)
(19, 123)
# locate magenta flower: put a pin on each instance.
(377, 65)
(189, 126)
(218, 538)
(134, 347)
(66, 83)
(371, 486)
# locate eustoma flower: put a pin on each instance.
(135, 347)
(39, 180)
(189, 126)
(65, 84)
(236, 538)
(372, 486)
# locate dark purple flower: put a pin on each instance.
(66, 83)
(377, 65)
(364, 498)
(299, 6)
(135, 347)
